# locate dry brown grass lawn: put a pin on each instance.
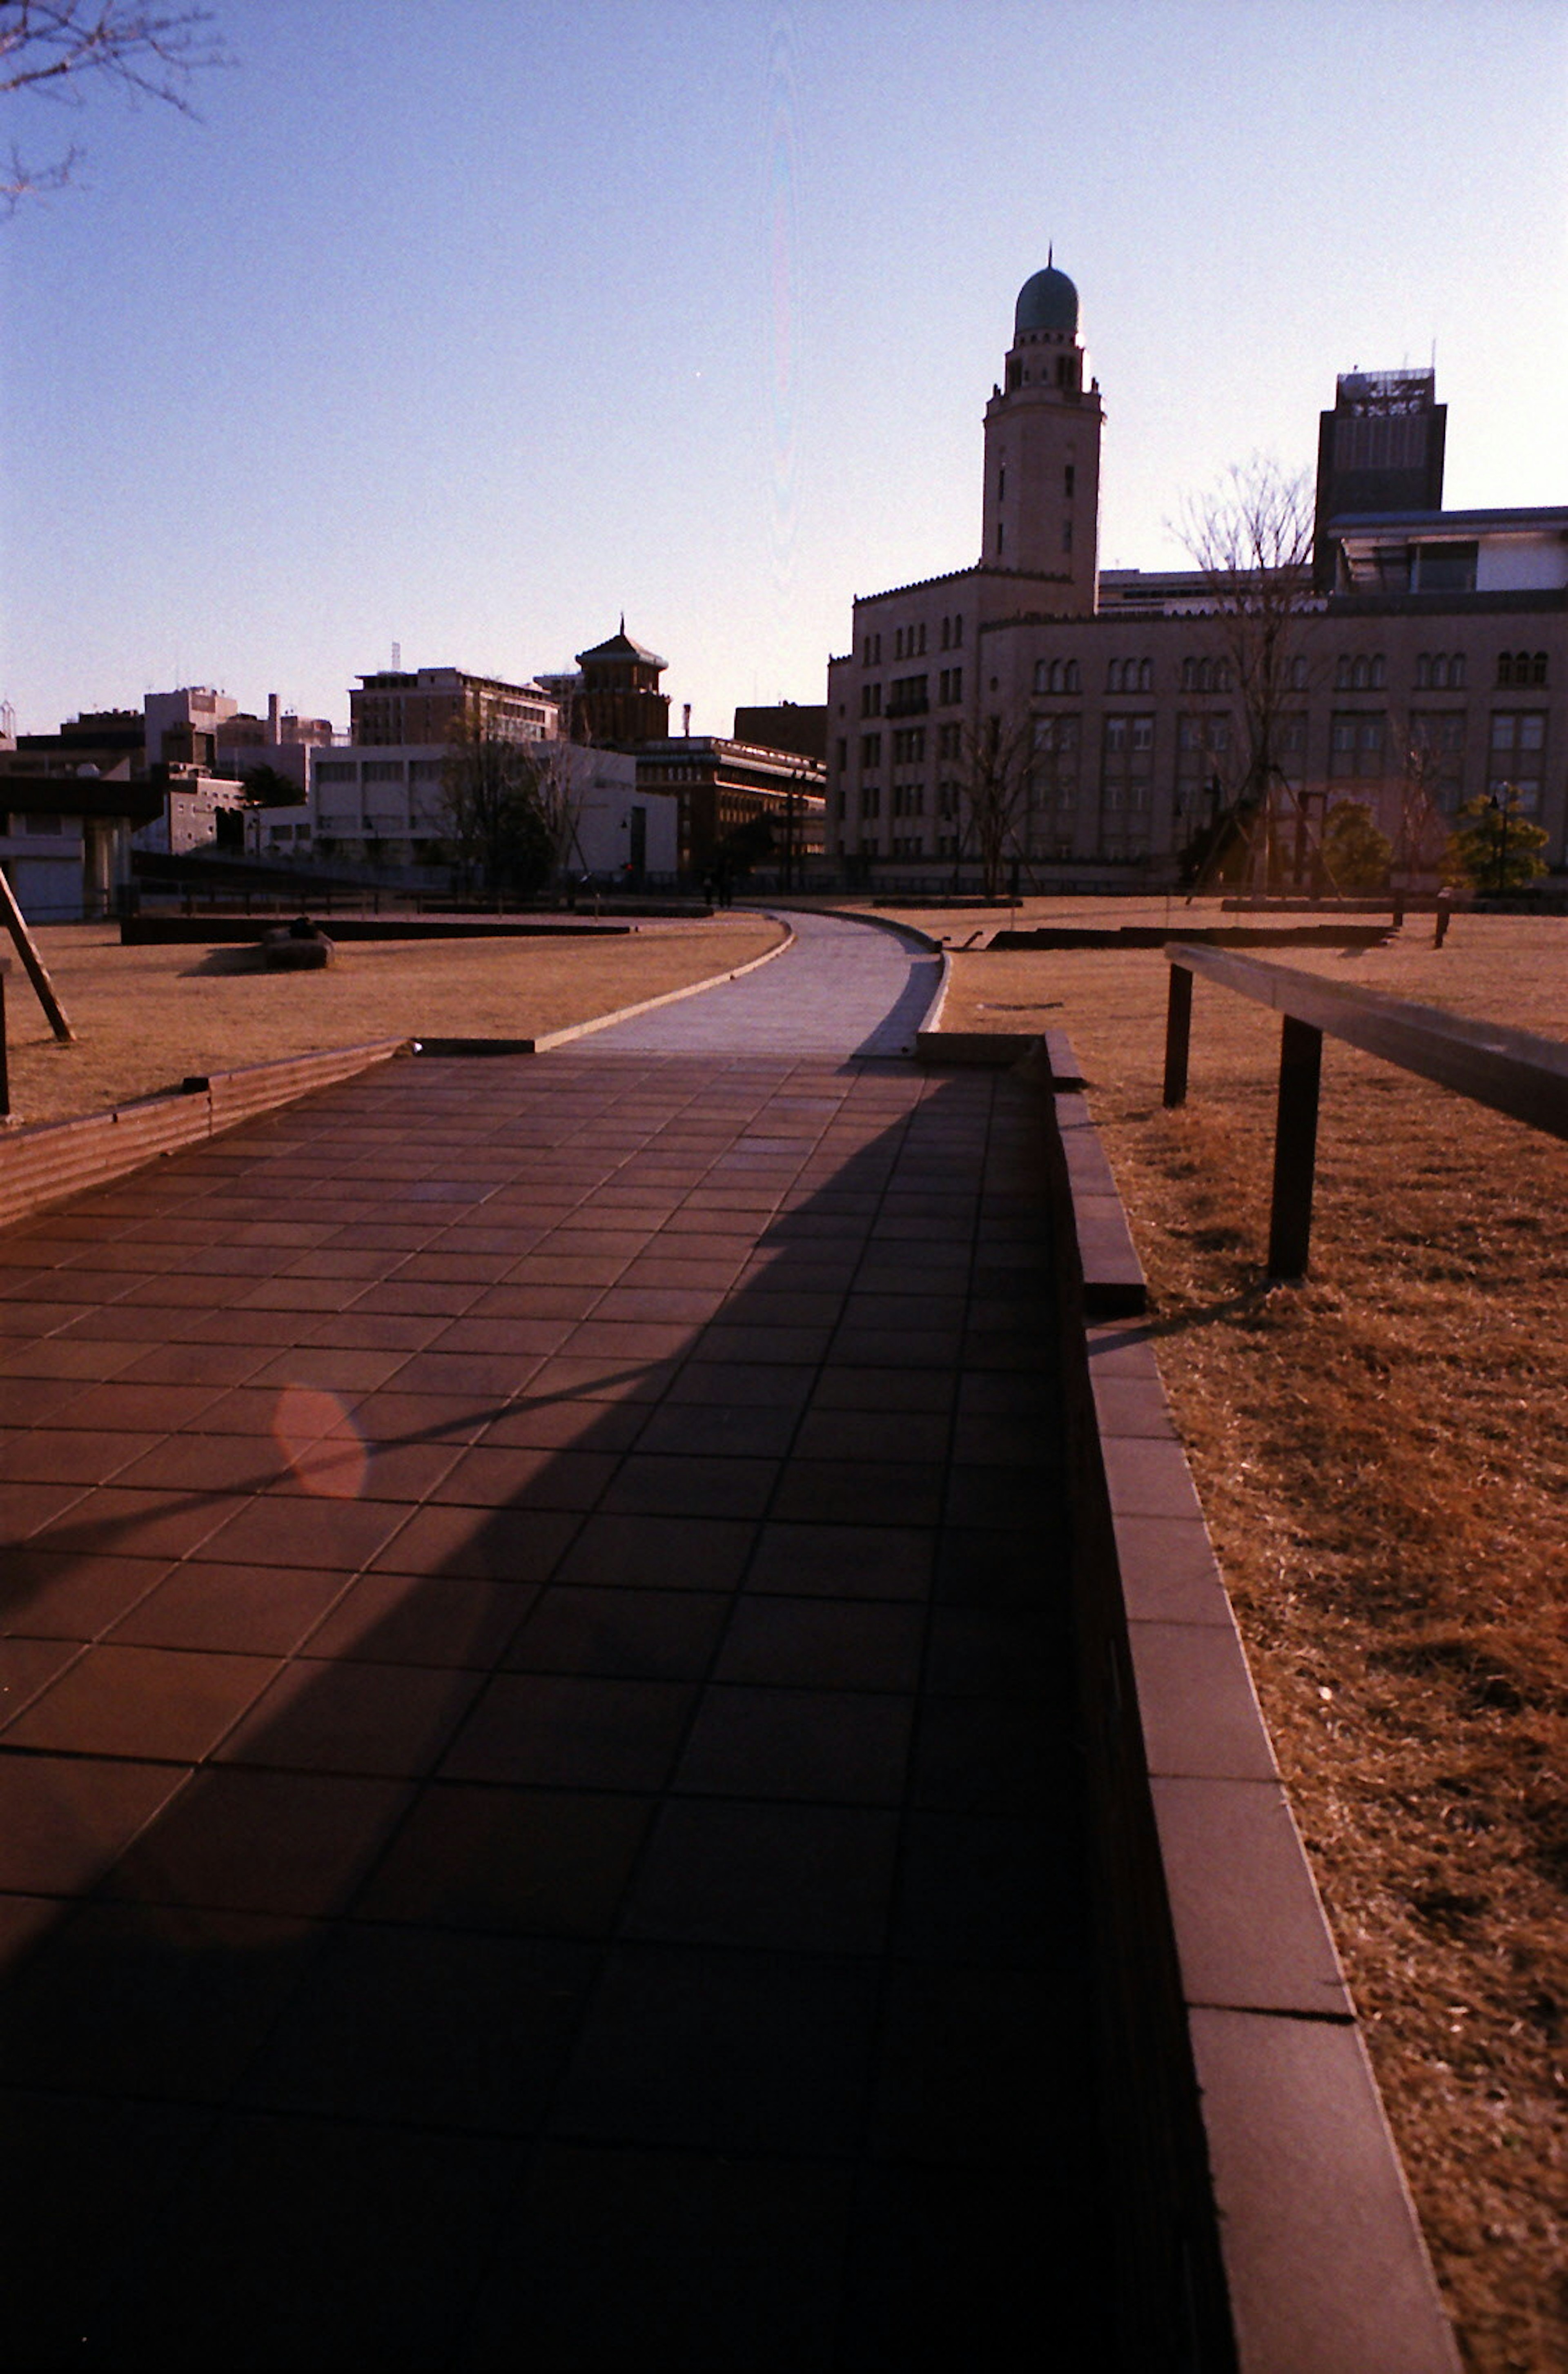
(1383, 1456)
(145, 1017)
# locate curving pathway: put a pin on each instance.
(843, 989)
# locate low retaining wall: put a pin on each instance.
(53, 1159)
(1265, 2222)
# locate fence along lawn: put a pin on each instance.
(1382, 1455)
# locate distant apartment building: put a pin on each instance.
(425, 706)
(1429, 661)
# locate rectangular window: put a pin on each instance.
(1143, 733)
(1115, 733)
(336, 771)
(870, 750)
(870, 700)
(1357, 744)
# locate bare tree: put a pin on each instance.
(1423, 830)
(1251, 539)
(50, 48)
(494, 814)
(996, 776)
(559, 775)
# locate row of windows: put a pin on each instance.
(1206, 676)
(913, 692)
(909, 642)
(1437, 671)
(1367, 672)
(1511, 729)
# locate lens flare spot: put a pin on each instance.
(324, 1449)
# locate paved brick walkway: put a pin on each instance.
(842, 990)
(539, 1807)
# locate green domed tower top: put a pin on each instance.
(1047, 301)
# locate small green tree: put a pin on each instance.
(268, 787)
(1495, 848)
(1355, 854)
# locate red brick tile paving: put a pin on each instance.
(521, 1781)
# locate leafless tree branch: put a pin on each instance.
(49, 49)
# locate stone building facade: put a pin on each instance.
(1428, 654)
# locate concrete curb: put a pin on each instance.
(1263, 2178)
(43, 1164)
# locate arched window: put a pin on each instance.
(1521, 668)
(1538, 668)
(1361, 677)
(1342, 675)
(1189, 675)
(1424, 672)
(1075, 682)
(1146, 675)
(1455, 671)
(1379, 674)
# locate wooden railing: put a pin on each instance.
(1512, 1072)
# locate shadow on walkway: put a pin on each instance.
(567, 1855)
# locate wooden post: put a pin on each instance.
(1178, 1035)
(32, 963)
(1295, 1148)
(5, 1075)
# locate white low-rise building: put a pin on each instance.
(385, 803)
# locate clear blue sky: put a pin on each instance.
(471, 324)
